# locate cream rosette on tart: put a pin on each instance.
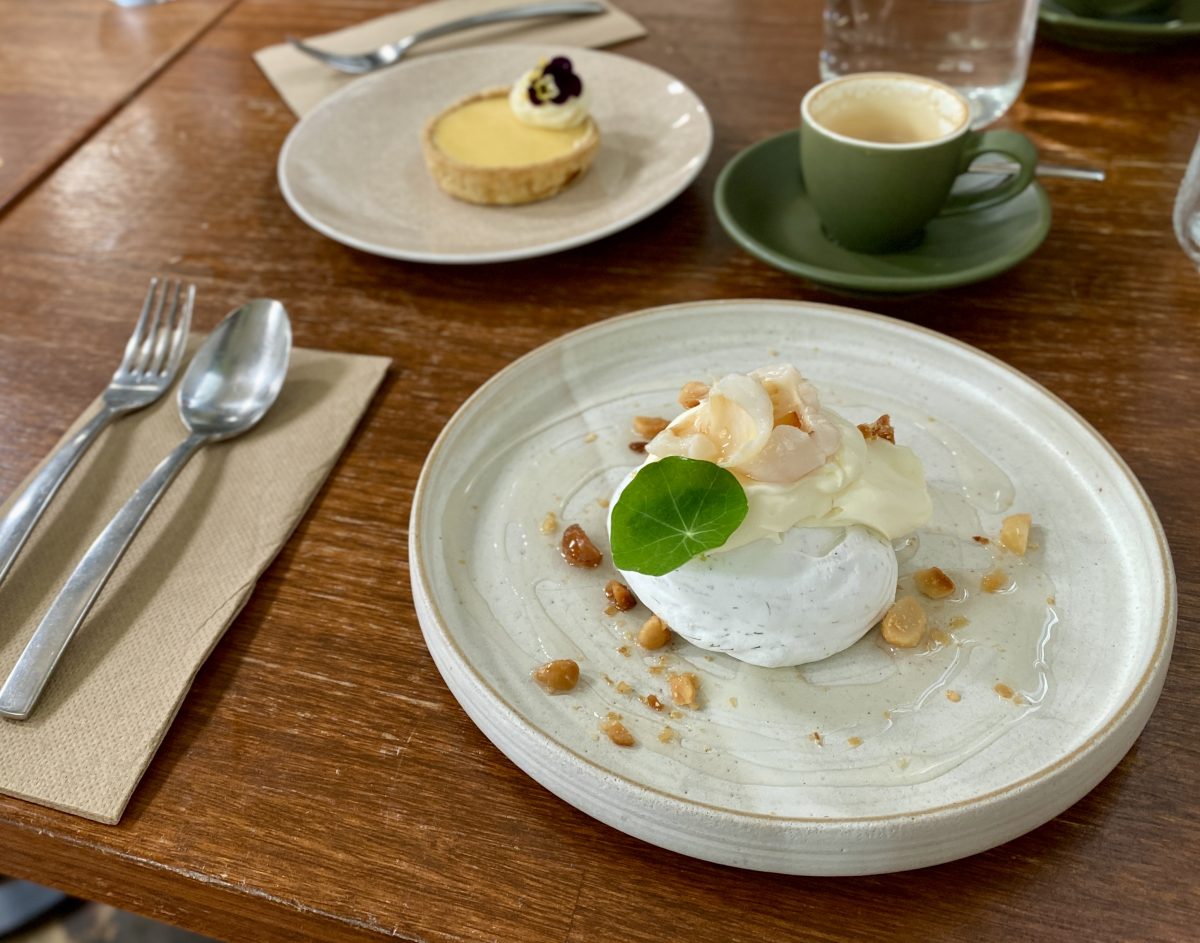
(809, 567)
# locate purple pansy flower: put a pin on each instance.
(556, 83)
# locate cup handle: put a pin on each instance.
(1015, 146)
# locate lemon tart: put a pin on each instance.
(518, 144)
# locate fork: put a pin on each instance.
(148, 368)
(393, 52)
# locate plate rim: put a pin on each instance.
(1117, 29)
(881, 283)
(1153, 675)
(510, 255)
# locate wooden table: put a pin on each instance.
(320, 783)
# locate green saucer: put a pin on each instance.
(1122, 34)
(761, 203)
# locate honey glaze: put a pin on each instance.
(872, 715)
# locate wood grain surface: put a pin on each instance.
(69, 65)
(320, 783)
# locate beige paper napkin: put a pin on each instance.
(188, 573)
(302, 82)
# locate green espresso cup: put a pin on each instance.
(880, 152)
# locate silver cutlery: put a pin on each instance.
(230, 384)
(1043, 170)
(148, 368)
(392, 53)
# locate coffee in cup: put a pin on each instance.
(880, 151)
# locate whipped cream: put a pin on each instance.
(550, 96)
(800, 465)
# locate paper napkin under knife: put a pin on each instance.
(302, 81)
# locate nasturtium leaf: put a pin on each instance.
(673, 510)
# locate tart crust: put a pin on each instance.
(505, 186)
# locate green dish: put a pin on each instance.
(1121, 34)
(761, 202)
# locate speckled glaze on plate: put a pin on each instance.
(353, 170)
(928, 779)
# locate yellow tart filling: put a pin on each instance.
(485, 133)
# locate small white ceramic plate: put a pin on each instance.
(919, 757)
(353, 170)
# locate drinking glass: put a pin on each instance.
(981, 48)
(1187, 208)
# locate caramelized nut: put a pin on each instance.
(854, 742)
(578, 549)
(639, 446)
(881, 428)
(904, 625)
(549, 523)
(617, 732)
(557, 677)
(620, 596)
(653, 702)
(654, 633)
(933, 583)
(647, 427)
(1014, 533)
(993, 581)
(981, 540)
(1003, 690)
(685, 689)
(953, 696)
(693, 391)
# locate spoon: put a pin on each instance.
(230, 384)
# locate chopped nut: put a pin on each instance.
(617, 732)
(549, 523)
(993, 581)
(816, 738)
(647, 427)
(693, 391)
(638, 447)
(619, 595)
(905, 623)
(981, 540)
(881, 428)
(623, 650)
(685, 689)
(1014, 533)
(953, 696)
(623, 687)
(578, 549)
(1050, 600)
(933, 583)
(610, 610)
(959, 622)
(676, 714)
(654, 633)
(557, 677)
(1003, 690)
(854, 742)
(938, 637)
(654, 703)
(666, 735)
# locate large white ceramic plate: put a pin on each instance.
(745, 784)
(353, 170)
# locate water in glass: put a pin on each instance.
(980, 47)
(1187, 208)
